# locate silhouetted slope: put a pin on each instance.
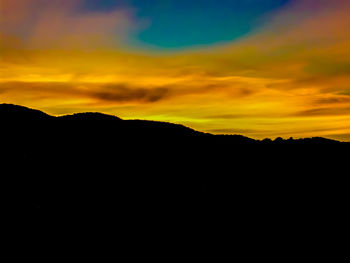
(102, 165)
(89, 116)
(13, 113)
(10, 112)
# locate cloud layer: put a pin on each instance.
(290, 78)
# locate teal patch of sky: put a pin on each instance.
(176, 24)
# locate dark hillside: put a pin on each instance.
(95, 163)
(10, 112)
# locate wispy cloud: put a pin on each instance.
(42, 24)
(289, 78)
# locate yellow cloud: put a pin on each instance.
(289, 79)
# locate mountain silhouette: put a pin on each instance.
(15, 113)
(10, 112)
(89, 116)
(96, 165)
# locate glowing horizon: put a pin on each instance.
(286, 75)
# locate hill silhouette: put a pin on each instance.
(10, 112)
(92, 163)
(14, 113)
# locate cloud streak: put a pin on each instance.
(289, 78)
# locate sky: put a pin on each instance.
(260, 68)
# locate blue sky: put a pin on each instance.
(177, 24)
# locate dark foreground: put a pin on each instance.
(99, 167)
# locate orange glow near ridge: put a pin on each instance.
(291, 78)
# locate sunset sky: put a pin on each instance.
(260, 68)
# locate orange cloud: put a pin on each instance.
(288, 79)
